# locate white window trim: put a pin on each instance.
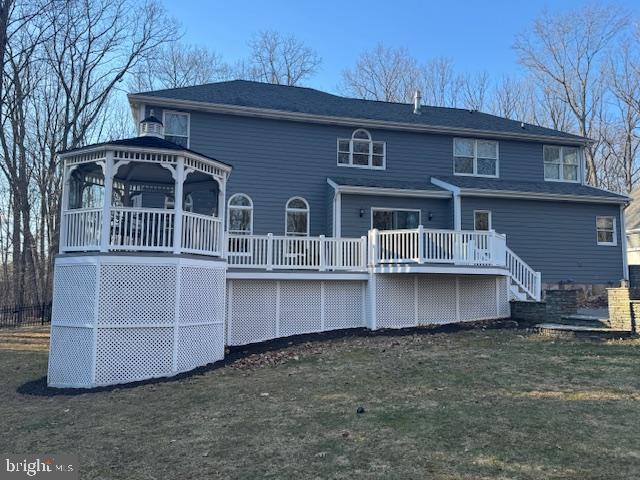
(287, 209)
(175, 112)
(239, 207)
(394, 209)
(370, 166)
(490, 219)
(615, 232)
(475, 158)
(578, 165)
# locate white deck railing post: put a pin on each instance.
(270, 251)
(323, 260)
(491, 247)
(421, 254)
(177, 206)
(538, 289)
(363, 252)
(105, 232)
(373, 247)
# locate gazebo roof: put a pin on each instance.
(143, 142)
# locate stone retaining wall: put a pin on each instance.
(557, 304)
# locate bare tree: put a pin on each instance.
(62, 63)
(621, 139)
(441, 85)
(566, 52)
(279, 59)
(475, 89)
(177, 65)
(387, 74)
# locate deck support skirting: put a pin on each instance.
(125, 318)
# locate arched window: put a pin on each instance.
(240, 217)
(361, 151)
(297, 217)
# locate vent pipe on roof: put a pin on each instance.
(417, 100)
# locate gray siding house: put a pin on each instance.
(443, 168)
(244, 212)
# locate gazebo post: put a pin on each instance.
(177, 205)
(222, 203)
(62, 239)
(106, 203)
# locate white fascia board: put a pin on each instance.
(440, 269)
(347, 121)
(472, 192)
(394, 192)
(123, 148)
(263, 275)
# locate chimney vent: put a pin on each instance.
(417, 100)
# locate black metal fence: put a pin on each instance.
(25, 315)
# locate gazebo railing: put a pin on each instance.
(82, 229)
(141, 229)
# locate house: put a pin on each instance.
(247, 211)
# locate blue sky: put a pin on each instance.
(476, 35)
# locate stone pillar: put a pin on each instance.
(620, 308)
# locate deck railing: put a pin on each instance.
(523, 275)
(141, 229)
(437, 246)
(296, 253)
(200, 233)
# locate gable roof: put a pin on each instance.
(308, 103)
(469, 185)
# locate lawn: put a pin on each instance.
(471, 404)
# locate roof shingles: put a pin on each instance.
(245, 93)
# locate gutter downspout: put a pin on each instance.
(457, 204)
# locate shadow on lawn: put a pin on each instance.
(39, 387)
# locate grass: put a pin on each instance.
(474, 404)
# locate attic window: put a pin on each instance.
(361, 151)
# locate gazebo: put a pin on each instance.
(143, 194)
(139, 284)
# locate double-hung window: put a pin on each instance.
(176, 127)
(475, 157)
(561, 163)
(361, 151)
(606, 230)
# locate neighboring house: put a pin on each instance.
(246, 211)
(359, 164)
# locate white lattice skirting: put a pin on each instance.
(259, 310)
(119, 319)
(405, 300)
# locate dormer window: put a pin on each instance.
(176, 127)
(475, 157)
(361, 151)
(560, 163)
